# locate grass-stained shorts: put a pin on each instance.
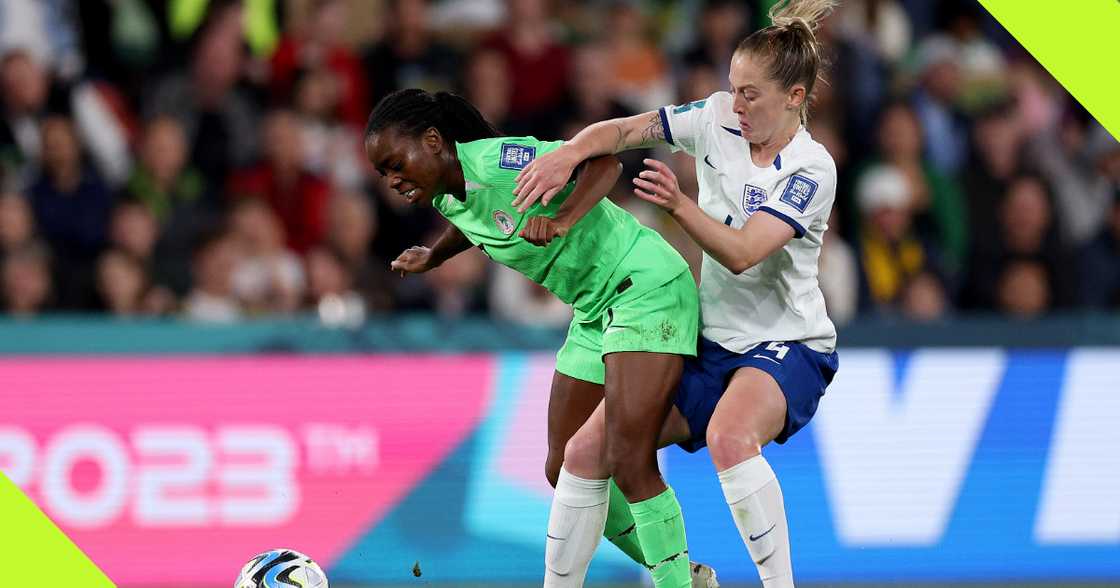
(662, 320)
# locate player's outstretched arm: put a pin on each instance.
(737, 250)
(594, 179)
(419, 259)
(549, 173)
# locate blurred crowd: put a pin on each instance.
(204, 159)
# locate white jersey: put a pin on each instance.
(778, 299)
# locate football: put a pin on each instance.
(281, 568)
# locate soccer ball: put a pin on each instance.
(281, 568)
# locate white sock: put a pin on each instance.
(755, 498)
(575, 524)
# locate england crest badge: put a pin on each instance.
(753, 197)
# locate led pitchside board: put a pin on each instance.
(929, 465)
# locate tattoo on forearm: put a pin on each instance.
(653, 133)
(620, 139)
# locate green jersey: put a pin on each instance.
(602, 251)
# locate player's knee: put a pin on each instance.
(728, 448)
(584, 454)
(630, 467)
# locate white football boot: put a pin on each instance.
(703, 576)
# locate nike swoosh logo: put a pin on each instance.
(707, 161)
(562, 539)
(767, 358)
(754, 538)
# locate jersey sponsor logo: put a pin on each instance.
(799, 192)
(516, 156)
(753, 197)
(504, 222)
(687, 107)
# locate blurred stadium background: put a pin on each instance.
(204, 355)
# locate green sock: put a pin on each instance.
(660, 530)
(620, 528)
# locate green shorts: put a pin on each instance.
(662, 320)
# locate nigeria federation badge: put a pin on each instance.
(504, 222)
(753, 197)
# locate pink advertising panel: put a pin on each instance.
(142, 460)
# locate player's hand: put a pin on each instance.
(541, 230)
(658, 184)
(544, 177)
(414, 260)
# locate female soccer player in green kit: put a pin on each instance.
(635, 302)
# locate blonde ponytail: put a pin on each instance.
(787, 13)
(790, 44)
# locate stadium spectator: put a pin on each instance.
(72, 207)
(1066, 156)
(934, 101)
(217, 116)
(212, 299)
(925, 299)
(17, 223)
(296, 195)
(997, 144)
(982, 65)
(935, 199)
(318, 45)
(637, 66)
(1026, 232)
(410, 55)
(352, 225)
(1023, 289)
(487, 85)
(134, 230)
(331, 149)
(1100, 264)
(125, 288)
(723, 23)
(697, 83)
(881, 25)
(331, 289)
(31, 94)
(267, 278)
(539, 63)
(26, 280)
(123, 41)
(44, 29)
(175, 194)
(163, 180)
(458, 287)
(890, 251)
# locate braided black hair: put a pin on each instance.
(413, 111)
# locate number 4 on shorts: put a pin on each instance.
(779, 349)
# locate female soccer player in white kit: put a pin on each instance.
(767, 350)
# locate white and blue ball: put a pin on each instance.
(281, 568)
